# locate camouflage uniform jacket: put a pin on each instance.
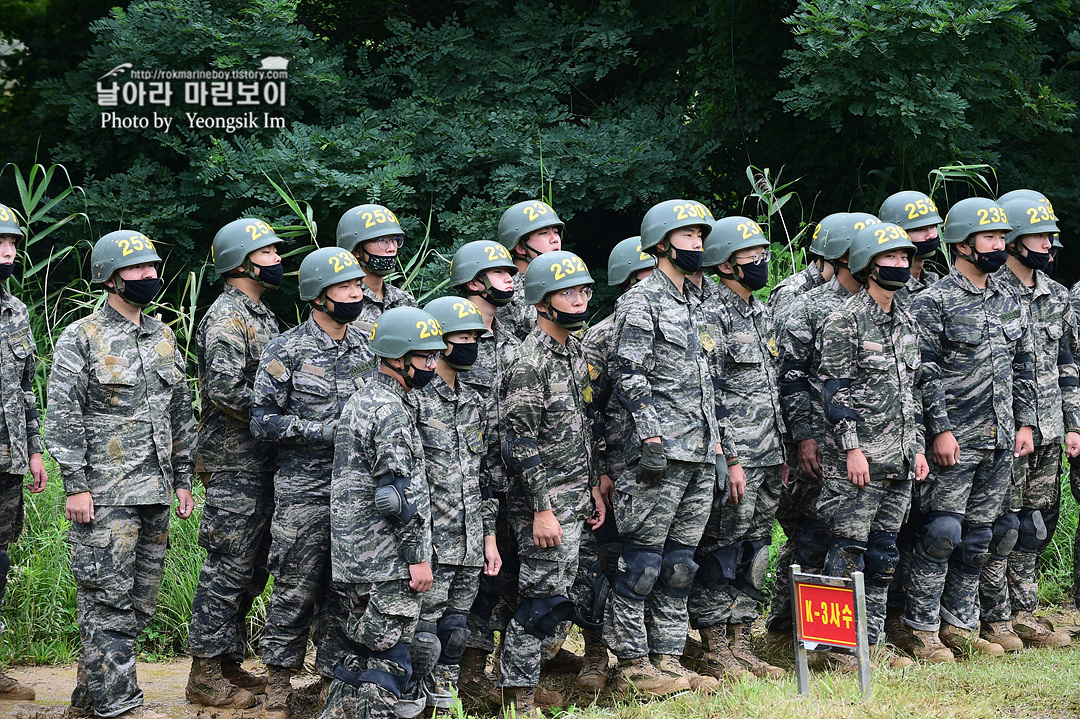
(518, 316)
(790, 289)
(800, 353)
(451, 426)
(371, 310)
(550, 437)
(599, 347)
(976, 357)
(376, 435)
(497, 350)
(707, 297)
(119, 421)
(869, 363)
(661, 370)
(1051, 326)
(229, 342)
(20, 429)
(750, 387)
(905, 294)
(303, 381)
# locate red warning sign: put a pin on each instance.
(826, 614)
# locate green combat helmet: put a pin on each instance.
(238, 239)
(1041, 199)
(117, 250)
(403, 330)
(625, 259)
(559, 270)
(366, 222)
(9, 222)
(821, 233)
(524, 218)
(1028, 216)
(909, 209)
(975, 214)
(671, 215)
(728, 236)
(841, 235)
(474, 258)
(456, 314)
(871, 241)
(324, 267)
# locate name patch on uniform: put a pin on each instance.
(111, 360)
(559, 387)
(744, 338)
(435, 424)
(275, 369)
(312, 369)
(164, 349)
(872, 346)
(1010, 315)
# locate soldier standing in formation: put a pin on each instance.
(526, 230)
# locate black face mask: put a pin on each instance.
(569, 320)
(924, 250)
(688, 261)
(1037, 260)
(754, 277)
(141, 292)
(462, 355)
(891, 278)
(380, 264)
(270, 276)
(498, 297)
(989, 262)
(420, 378)
(345, 311)
(6, 270)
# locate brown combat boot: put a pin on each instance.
(640, 676)
(563, 661)
(716, 659)
(1002, 633)
(739, 637)
(923, 644)
(208, 687)
(520, 703)
(240, 677)
(1035, 634)
(277, 694)
(966, 640)
(594, 668)
(11, 690)
(669, 664)
(474, 682)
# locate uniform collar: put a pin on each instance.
(1009, 278)
(548, 341)
(444, 390)
(665, 282)
(257, 307)
(325, 341)
(389, 382)
(746, 309)
(965, 284)
(115, 319)
(878, 315)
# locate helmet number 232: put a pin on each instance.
(568, 267)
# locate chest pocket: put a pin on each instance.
(257, 342)
(435, 435)
(673, 332)
(19, 341)
(167, 372)
(559, 399)
(474, 437)
(1013, 330)
(744, 349)
(964, 334)
(1053, 331)
(873, 361)
(310, 388)
(116, 388)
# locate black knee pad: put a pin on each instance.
(753, 564)
(1006, 531)
(453, 636)
(487, 596)
(425, 648)
(393, 683)
(599, 586)
(940, 535)
(845, 557)
(643, 566)
(812, 545)
(974, 548)
(1032, 530)
(541, 616)
(717, 567)
(677, 570)
(881, 557)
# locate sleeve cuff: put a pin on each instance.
(76, 483)
(34, 445)
(848, 439)
(415, 553)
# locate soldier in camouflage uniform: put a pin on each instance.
(237, 469)
(674, 460)
(451, 418)
(555, 488)
(800, 401)
(734, 550)
(1008, 588)
(978, 395)
(381, 525)
(873, 413)
(527, 230)
(305, 376)
(20, 432)
(120, 426)
(816, 273)
(373, 235)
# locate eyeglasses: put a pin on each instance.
(571, 294)
(385, 243)
(430, 359)
(755, 259)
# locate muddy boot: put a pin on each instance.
(240, 677)
(882, 654)
(208, 687)
(1002, 633)
(277, 694)
(1034, 634)
(520, 703)
(11, 690)
(894, 625)
(967, 641)
(639, 676)
(669, 664)
(925, 645)
(547, 698)
(141, 712)
(780, 640)
(563, 661)
(594, 668)
(739, 637)
(716, 658)
(473, 680)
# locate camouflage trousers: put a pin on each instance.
(545, 572)
(117, 560)
(1008, 584)
(1074, 485)
(379, 617)
(453, 587)
(496, 596)
(673, 512)
(737, 532)
(235, 531)
(973, 490)
(905, 542)
(806, 545)
(11, 524)
(304, 597)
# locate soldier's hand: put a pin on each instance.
(547, 532)
(810, 458)
(858, 469)
(922, 469)
(597, 520)
(420, 577)
(1072, 444)
(37, 471)
(1025, 445)
(785, 473)
(80, 508)
(185, 503)
(492, 558)
(946, 449)
(737, 478)
(607, 488)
